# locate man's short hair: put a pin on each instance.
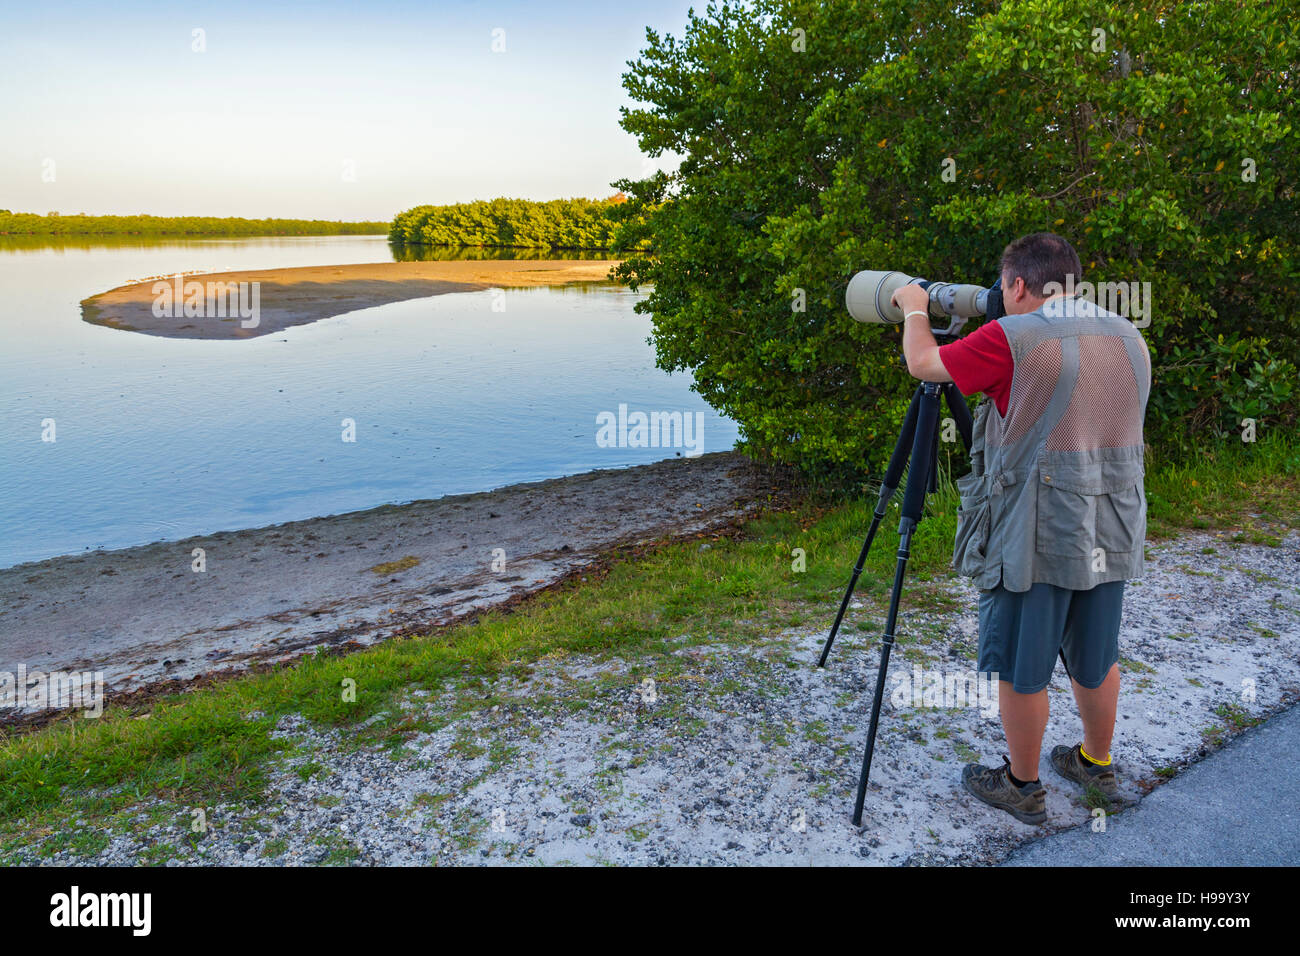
(1040, 258)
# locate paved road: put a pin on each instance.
(1238, 807)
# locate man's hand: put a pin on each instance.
(912, 298)
(919, 346)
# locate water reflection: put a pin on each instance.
(399, 252)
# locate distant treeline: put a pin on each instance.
(516, 223)
(31, 224)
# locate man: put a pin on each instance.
(1053, 514)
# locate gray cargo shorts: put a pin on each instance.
(1021, 633)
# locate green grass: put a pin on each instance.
(392, 567)
(1135, 666)
(1249, 488)
(1094, 799)
(197, 749)
(340, 850)
(1237, 717)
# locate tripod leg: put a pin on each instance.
(889, 484)
(904, 552)
(918, 478)
(932, 483)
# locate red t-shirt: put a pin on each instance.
(981, 362)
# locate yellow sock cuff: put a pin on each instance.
(1100, 763)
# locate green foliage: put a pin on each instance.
(404, 252)
(518, 223)
(53, 224)
(1156, 138)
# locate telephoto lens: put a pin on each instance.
(870, 291)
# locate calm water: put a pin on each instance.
(160, 439)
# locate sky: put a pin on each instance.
(330, 110)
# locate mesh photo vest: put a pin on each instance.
(1055, 490)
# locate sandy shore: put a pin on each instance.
(289, 297)
(144, 618)
(747, 753)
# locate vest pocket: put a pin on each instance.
(1065, 522)
(1121, 520)
(1088, 504)
(970, 547)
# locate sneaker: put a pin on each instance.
(1070, 765)
(1028, 804)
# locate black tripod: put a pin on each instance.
(918, 441)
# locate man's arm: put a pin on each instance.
(919, 347)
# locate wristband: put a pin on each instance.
(916, 312)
